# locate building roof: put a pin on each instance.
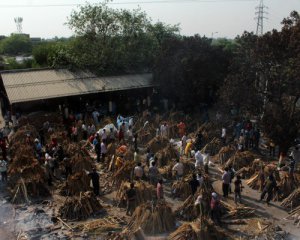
(31, 85)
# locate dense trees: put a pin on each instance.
(15, 44)
(264, 80)
(190, 70)
(110, 41)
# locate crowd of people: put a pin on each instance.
(122, 132)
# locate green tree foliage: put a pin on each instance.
(15, 44)
(265, 78)
(51, 54)
(110, 41)
(190, 70)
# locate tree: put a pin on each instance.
(265, 79)
(190, 70)
(110, 41)
(15, 44)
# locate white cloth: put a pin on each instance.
(178, 168)
(223, 133)
(296, 155)
(199, 159)
(138, 171)
(200, 180)
(103, 148)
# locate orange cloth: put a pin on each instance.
(122, 149)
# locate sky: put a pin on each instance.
(217, 18)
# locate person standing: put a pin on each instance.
(138, 172)
(223, 135)
(160, 190)
(238, 189)
(98, 150)
(194, 184)
(183, 143)
(225, 182)
(199, 160)
(131, 200)
(103, 151)
(296, 156)
(215, 208)
(3, 170)
(178, 169)
(164, 130)
(95, 181)
(268, 189)
(153, 173)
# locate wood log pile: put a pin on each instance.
(226, 152)
(295, 216)
(80, 207)
(75, 184)
(152, 218)
(80, 162)
(156, 144)
(27, 176)
(242, 159)
(200, 230)
(144, 192)
(181, 189)
(187, 210)
(287, 185)
(293, 200)
(124, 173)
(212, 147)
(233, 212)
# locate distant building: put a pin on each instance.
(35, 40)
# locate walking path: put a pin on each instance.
(274, 213)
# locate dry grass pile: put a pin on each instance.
(144, 192)
(200, 230)
(293, 200)
(75, 184)
(153, 219)
(242, 159)
(80, 207)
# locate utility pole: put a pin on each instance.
(260, 13)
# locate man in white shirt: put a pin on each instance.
(138, 172)
(199, 163)
(164, 130)
(178, 168)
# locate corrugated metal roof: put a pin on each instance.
(23, 86)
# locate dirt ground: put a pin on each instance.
(273, 213)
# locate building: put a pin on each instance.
(47, 89)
